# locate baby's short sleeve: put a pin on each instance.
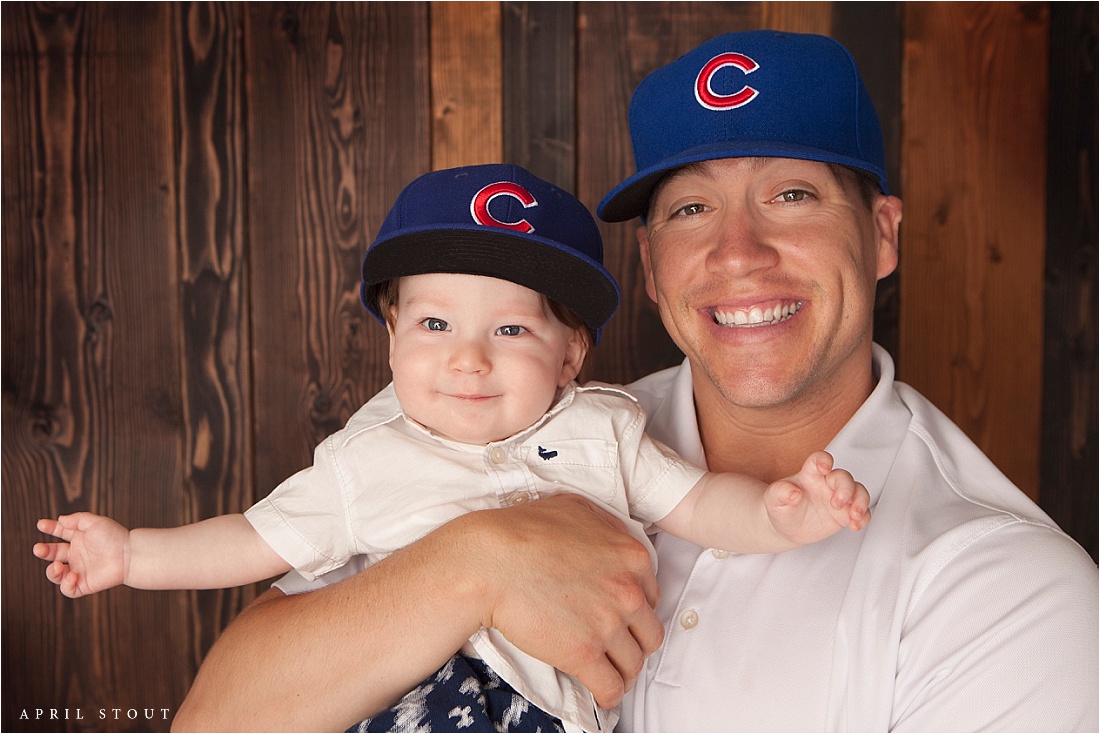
(305, 519)
(655, 478)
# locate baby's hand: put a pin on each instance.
(817, 502)
(94, 558)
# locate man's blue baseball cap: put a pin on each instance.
(755, 93)
(500, 221)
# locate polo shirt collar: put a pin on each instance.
(875, 431)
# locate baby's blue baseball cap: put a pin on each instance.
(755, 93)
(497, 220)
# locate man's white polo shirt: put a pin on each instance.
(961, 607)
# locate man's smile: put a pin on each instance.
(756, 315)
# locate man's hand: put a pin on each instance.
(560, 578)
(569, 585)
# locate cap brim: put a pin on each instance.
(569, 277)
(631, 198)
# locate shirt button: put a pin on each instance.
(689, 619)
(497, 455)
(720, 554)
(518, 499)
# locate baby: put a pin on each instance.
(490, 283)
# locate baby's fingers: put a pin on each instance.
(843, 486)
(56, 571)
(67, 580)
(52, 551)
(70, 586)
(55, 528)
(860, 512)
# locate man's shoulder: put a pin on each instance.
(960, 463)
(959, 507)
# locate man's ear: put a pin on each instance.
(887, 217)
(575, 352)
(647, 266)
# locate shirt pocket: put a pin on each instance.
(583, 466)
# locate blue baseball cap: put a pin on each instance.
(755, 93)
(500, 221)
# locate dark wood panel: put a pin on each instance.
(539, 89)
(210, 208)
(92, 403)
(32, 613)
(973, 233)
(338, 122)
(1069, 438)
(872, 32)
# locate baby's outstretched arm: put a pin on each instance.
(737, 513)
(98, 553)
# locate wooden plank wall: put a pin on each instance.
(188, 190)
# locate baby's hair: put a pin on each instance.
(387, 295)
(386, 298)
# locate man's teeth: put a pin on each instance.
(756, 316)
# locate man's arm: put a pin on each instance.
(559, 578)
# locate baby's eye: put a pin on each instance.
(434, 324)
(510, 330)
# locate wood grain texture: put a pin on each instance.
(92, 399)
(1069, 438)
(973, 235)
(213, 328)
(466, 84)
(539, 89)
(797, 17)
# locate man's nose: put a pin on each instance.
(741, 245)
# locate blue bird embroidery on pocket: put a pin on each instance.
(546, 454)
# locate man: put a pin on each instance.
(766, 226)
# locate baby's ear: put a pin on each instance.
(390, 320)
(575, 352)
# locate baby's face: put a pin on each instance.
(476, 359)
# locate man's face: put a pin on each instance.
(764, 271)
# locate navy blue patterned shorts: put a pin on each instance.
(464, 695)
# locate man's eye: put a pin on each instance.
(690, 210)
(794, 195)
(510, 330)
(434, 324)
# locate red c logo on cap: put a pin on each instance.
(479, 205)
(706, 95)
